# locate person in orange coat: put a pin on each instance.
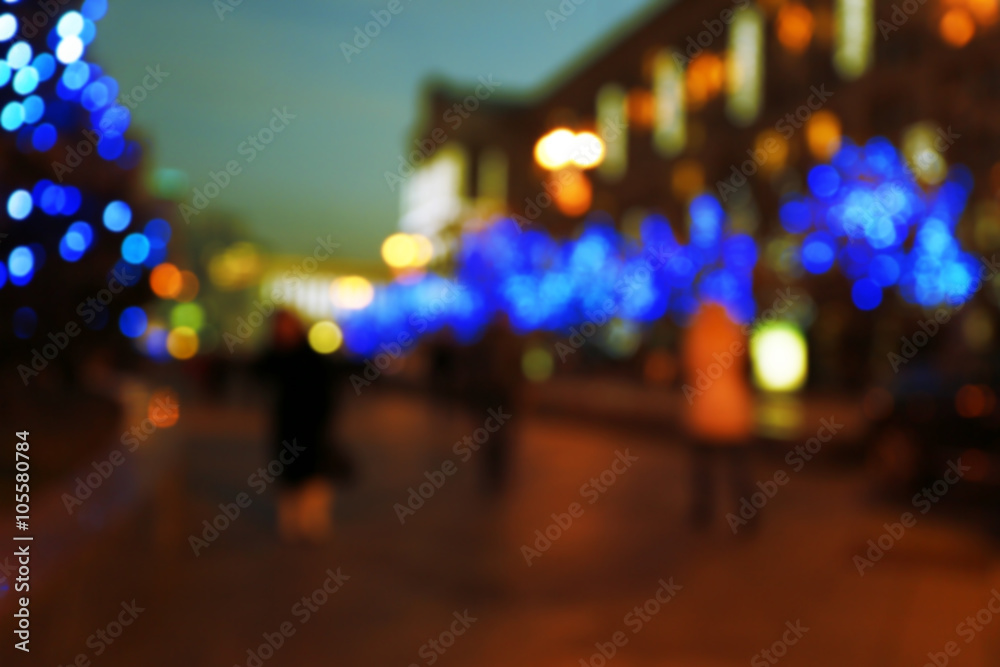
(718, 413)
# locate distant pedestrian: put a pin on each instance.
(719, 415)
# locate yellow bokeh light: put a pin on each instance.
(325, 337)
(182, 343)
(555, 149)
(779, 355)
(823, 134)
(399, 251)
(957, 27)
(795, 27)
(351, 292)
(425, 250)
(537, 364)
(589, 151)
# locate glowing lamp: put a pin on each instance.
(325, 337)
(778, 353)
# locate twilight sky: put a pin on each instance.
(324, 171)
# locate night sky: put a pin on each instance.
(324, 172)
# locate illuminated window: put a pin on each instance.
(433, 197)
(744, 66)
(612, 126)
(855, 37)
(669, 128)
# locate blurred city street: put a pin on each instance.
(461, 551)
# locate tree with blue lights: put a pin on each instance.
(78, 231)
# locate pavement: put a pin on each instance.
(452, 585)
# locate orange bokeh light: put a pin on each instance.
(575, 195)
(957, 27)
(163, 409)
(189, 287)
(795, 27)
(705, 77)
(165, 281)
(974, 400)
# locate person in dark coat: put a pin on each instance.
(304, 403)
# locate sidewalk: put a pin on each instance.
(462, 552)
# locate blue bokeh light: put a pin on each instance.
(135, 248)
(117, 216)
(133, 322)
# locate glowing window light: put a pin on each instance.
(555, 149)
(12, 116)
(795, 27)
(117, 216)
(21, 262)
(778, 354)
(133, 322)
(70, 50)
(8, 27)
(957, 27)
(399, 250)
(670, 117)
(19, 204)
(70, 25)
(19, 55)
(744, 66)
(325, 337)
(165, 281)
(189, 315)
(351, 292)
(612, 126)
(823, 135)
(135, 248)
(182, 343)
(25, 322)
(855, 37)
